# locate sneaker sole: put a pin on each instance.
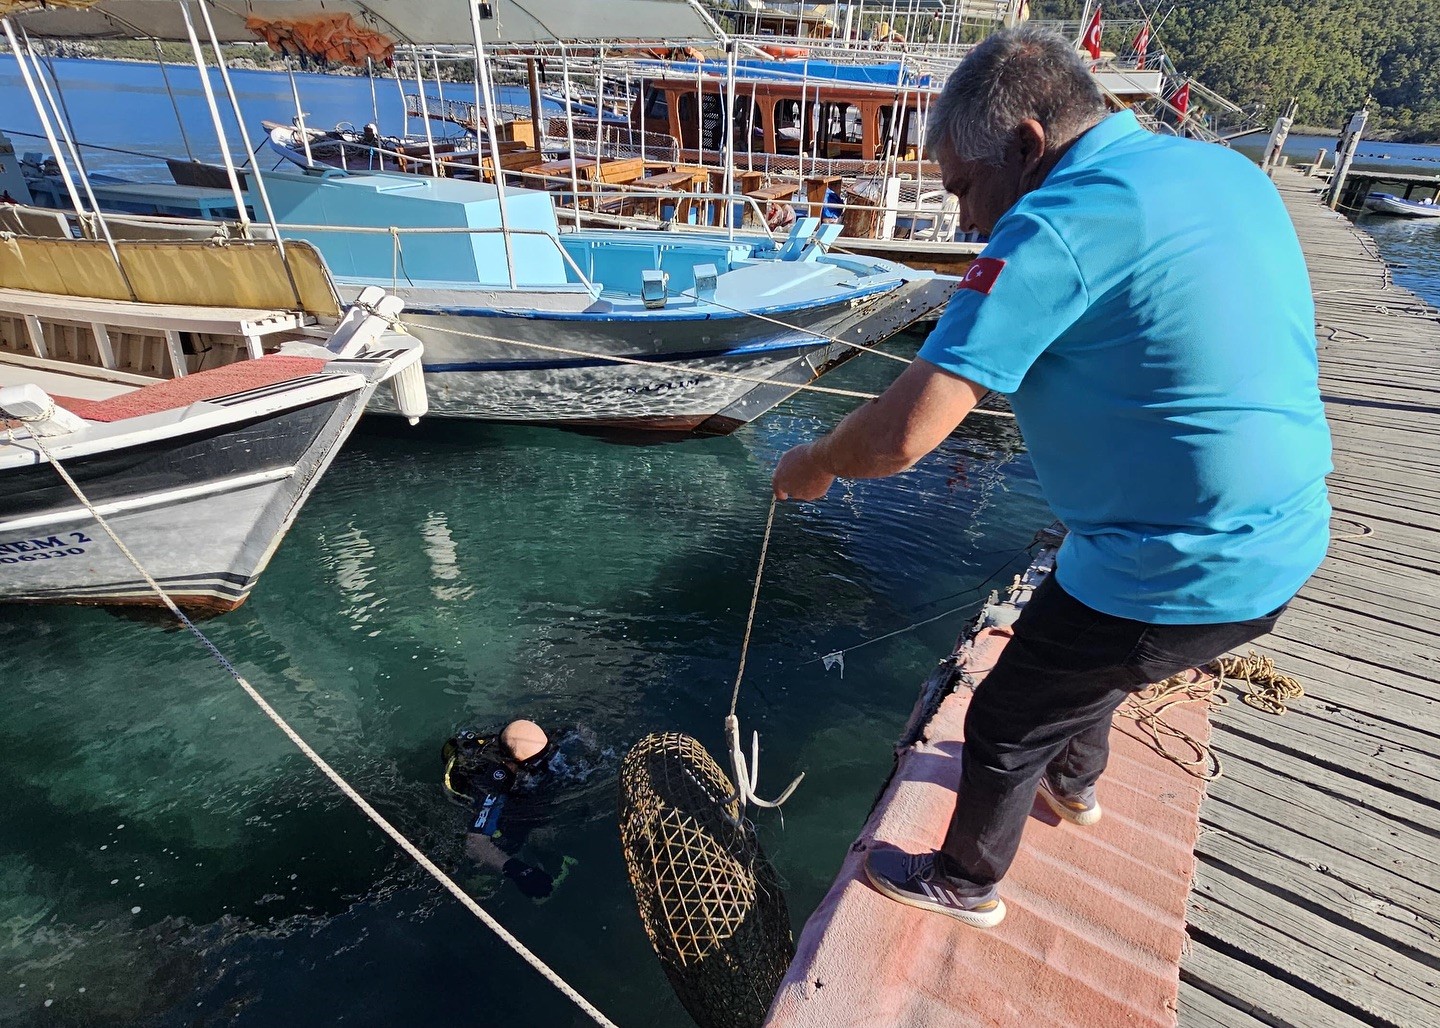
(973, 918)
(1084, 818)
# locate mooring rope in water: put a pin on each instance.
(340, 783)
(747, 775)
(653, 365)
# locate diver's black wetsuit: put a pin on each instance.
(500, 793)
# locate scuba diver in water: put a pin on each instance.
(499, 775)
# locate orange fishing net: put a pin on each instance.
(335, 38)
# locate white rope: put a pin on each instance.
(320, 762)
(798, 387)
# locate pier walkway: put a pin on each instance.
(1316, 891)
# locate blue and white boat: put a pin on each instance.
(600, 328)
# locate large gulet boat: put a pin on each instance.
(524, 322)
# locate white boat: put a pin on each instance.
(200, 476)
(1385, 203)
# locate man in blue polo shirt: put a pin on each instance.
(1144, 304)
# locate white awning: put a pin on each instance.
(431, 22)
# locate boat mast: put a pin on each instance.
(179, 121)
(570, 133)
(220, 136)
(260, 190)
(482, 82)
(729, 116)
(425, 110)
(300, 126)
(44, 112)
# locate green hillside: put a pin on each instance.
(1329, 54)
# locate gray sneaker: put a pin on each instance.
(918, 882)
(1080, 809)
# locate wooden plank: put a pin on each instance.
(1315, 884)
(1356, 970)
(1333, 805)
(1199, 1009)
(1252, 995)
(1334, 740)
(1232, 811)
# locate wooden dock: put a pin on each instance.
(1316, 900)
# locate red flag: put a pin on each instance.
(1142, 46)
(1181, 101)
(981, 274)
(1091, 39)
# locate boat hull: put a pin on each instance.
(672, 377)
(1384, 203)
(203, 512)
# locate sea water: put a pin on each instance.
(168, 858)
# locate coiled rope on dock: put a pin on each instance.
(335, 777)
(1266, 688)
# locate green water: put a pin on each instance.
(167, 857)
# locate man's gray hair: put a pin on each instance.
(1014, 75)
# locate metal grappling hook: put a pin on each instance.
(747, 775)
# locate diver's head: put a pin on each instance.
(524, 740)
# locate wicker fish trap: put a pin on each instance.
(707, 894)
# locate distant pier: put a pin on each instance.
(1316, 890)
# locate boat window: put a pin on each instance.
(657, 106)
(711, 122)
(910, 132)
(787, 125)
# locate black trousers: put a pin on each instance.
(1047, 705)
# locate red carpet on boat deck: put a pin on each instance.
(203, 385)
(1096, 919)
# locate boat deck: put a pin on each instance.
(1316, 867)
(1317, 891)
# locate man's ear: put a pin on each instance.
(1030, 145)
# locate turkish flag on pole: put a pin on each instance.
(1181, 101)
(1142, 46)
(1091, 40)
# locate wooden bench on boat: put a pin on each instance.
(117, 335)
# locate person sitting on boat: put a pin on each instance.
(500, 776)
(1143, 302)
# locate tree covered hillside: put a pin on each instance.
(1329, 54)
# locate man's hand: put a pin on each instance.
(884, 437)
(799, 475)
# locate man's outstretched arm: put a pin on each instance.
(884, 437)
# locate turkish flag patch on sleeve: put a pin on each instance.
(982, 274)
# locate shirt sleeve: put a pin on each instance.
(1018, 297)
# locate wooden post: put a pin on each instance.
(535, 106)
(1276, 146)
(1346, 155)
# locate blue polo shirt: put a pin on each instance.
(1148, 312)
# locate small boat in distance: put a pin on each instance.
(1386, 203)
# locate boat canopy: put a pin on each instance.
(423, 22)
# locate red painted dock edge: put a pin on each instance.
(1096, 921)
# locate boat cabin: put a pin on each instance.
(837, 120)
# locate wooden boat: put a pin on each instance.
(200, 475)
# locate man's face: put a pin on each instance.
(986, 192)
